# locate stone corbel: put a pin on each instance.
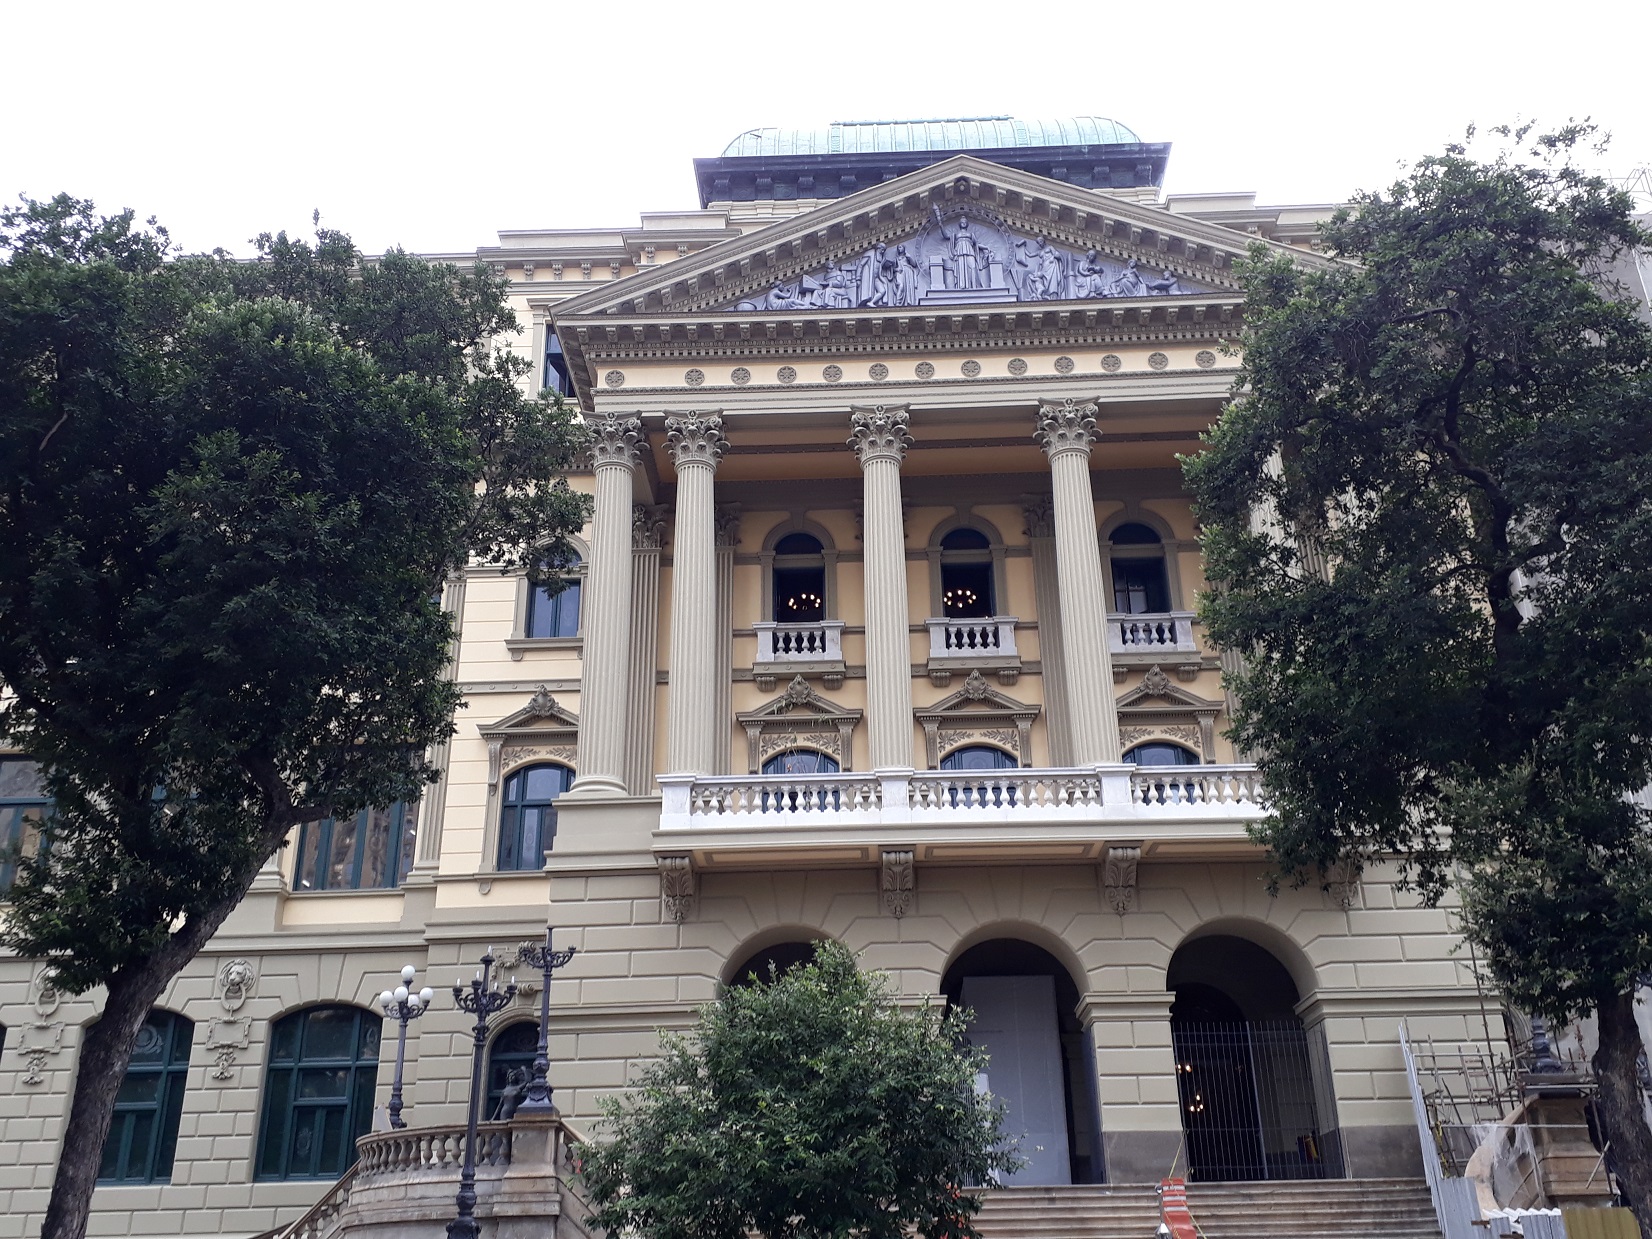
(496, 751)
(898, 882)
(676, 886)
(1118, 878)
(1342, 885)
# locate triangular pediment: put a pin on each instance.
(976, 233)
(1156, 686)
(541, 715)
(799, 699)
(976, 697)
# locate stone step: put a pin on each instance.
(1313, 1209)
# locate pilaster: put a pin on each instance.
(647, 538)
(1039, 511)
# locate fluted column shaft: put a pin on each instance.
(1065, 431)
(692, 732)
(880, 438)
(607, 601)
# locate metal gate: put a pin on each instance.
(1247, 1100)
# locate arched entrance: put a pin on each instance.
(1040, 1066)
(1244, 1072)
(775, 960)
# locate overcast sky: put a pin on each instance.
(434, 126)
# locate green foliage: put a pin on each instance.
(810, 1107)
(230, 494)
(1428, 529)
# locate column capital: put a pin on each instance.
(695, 438)
(1065, 426)
(647, 527)
(727, 516)
(616, 441)
(1038, 513)
(879, 432)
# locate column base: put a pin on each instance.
(596, 787)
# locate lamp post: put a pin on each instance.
(482, 999)
(538, 1095)
(402, 1005)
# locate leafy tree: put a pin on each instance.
(1428, 530)
(809, 1107)
(230, 494)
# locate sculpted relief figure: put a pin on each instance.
(1129, 283)
(906, 277)
(1090, 276)
(1167, 284)
(969, 257)
(870, 266)
(841, 285)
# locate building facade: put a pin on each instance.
(883, 630)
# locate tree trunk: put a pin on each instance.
(1622, 1114)
(105, 1052)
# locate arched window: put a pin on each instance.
(24, 808)
(800, 761)
(772, 962)
(527, 815)
(1141, 586)
(966, 575)
(555, 614)
(978, 757)
(318, 1092)
(144, 1133)
(1161, 753)
(799, 580)
(510, 1064)
(371, 851)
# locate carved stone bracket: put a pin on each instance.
(1342, 884)
(1118, 878)
(879, 432)
(1066, 426)
(676, 886)
(226, 1038)
(899, 882)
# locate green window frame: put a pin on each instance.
(318, 1092)
(527, 814)
(143, 1137)
(556, 615)
(371, 851)
(24, 810)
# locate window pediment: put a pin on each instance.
(977, 712)
(799, 718)
(540, 730)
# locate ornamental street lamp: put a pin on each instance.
(402, 1005)
(483, 999)
(538, 1095)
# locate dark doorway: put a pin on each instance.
(1244, 1074)
(760, 967)
(1041, 1064)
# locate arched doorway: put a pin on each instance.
(1024, 1003)
(1244, 1072)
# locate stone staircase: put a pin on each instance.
(1328, 1209)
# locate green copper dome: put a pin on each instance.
(961, 133)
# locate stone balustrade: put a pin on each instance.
(1169, 633)
(991, 638)
(817, 642)
(1099, 796)
(434, 1150)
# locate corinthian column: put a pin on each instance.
(696, 444)
(880, 438)
(1066, 429)
(602, 686)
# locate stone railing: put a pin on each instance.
(1195, 785)
(438, 1150)
(1099, 795)
(972, 638)
(1169, 633)
(818, 642)
(321, 1219)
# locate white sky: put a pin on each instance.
(435, 125)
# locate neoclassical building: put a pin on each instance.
(883, 630)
